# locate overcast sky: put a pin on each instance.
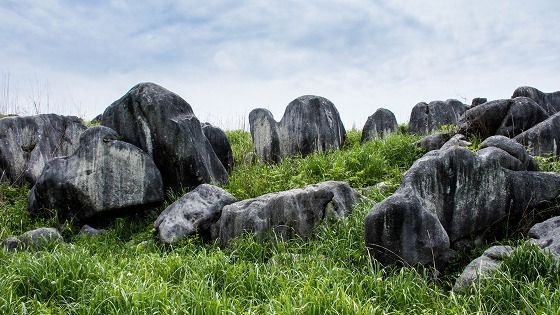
(226, 58)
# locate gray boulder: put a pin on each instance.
(425, 118)
(310, 123)
(104, 176)
(193, 213)
(12, 244)
(549, 101)
(547, 235)
(86, 229)
(434, 141)
(482, 267)
(285, 214)
(543, 138)
(164, 125)
(469, 193)
(220, 144)
(477, 101)
(382, 122)
(27, 143)
(508, 117)
(41, 237)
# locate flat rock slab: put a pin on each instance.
(27, 143)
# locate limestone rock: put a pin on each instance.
(193, 213)
(544, 138)
(382, 122)
(27, 143)
(549, 101)
(86, 229)
(220, 144)
(481, 267)
(164, 125)
(469, 193)
(41, 237)
(477, 101)
(285, 214)
(425, 118)
(508, 117)
(547, 235)
(310, 123)
(104, 176)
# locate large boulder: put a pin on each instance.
(543, 138)
(220, 144)
(286, 214)
(508, 117)
(104, 176)
(193, 213)
(27, 143)
(382, 122)
(425, 118)
(469, 193)
(310, 123)
(549, 101)
(163, 124)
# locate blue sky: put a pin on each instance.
(227, 57)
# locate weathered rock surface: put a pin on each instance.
(193, 213)
(310, 123)
(547, 235)
(382, 122)
(477, 101)
(549, 101)
(481, 267)
(86, 229)
(220, 144)
(12, 244)
(508, 117)
(103, 176)
(40, 237)
(425, 118)
(163, 124)
(27, 143)
(434, 141)
(285, 214)
(543, 138)
(458, 193)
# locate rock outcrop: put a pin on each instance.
(193, 213)
(220, 144)
(164, 125)
(546, 235)
(482, 267)
(508, 117)
(458, 195)
(382, 122)
(27, 143)
(425, 118)
(310, 123)
(477, 101)
(104, 176)
(285, 214)
(549, 101)
(543, 138)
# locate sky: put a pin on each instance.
(226, 58)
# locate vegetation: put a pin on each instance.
(125, 271)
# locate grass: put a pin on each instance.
(125, 271)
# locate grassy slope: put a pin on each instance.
(126, 272)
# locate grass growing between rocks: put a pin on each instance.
(126, 272)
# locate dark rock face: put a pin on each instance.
(477, 101)
(285, 214)
(468, 193)
(12, 244)
(310, 123)
(27, 143)
(502, 117)
(543, 138)
(383, 121)
(193, 213)
(104, 176)
(162, 124)
(481, 267)
(550, 102)
(220, 144)
(428, 117)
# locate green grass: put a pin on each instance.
(127, 272)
